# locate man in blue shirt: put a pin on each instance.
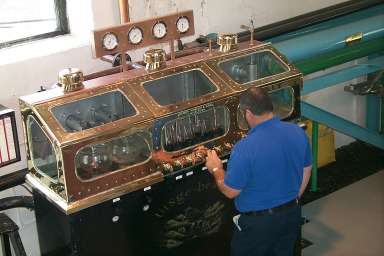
(267, 172)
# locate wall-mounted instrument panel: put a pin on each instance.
(139, 34)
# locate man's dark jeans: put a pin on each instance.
(268, 235)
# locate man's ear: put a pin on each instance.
(247, 111)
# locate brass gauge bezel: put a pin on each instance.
(103, 44)
(177, 22)
(142, 35)
(153, 29)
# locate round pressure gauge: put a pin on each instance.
(110, 41)
(135, 35)
(182, 24)
(159, 30)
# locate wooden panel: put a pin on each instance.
(146, 26)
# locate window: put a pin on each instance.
(283, 101)
(184, 86)
(94, 111)
(26, 20)
(42, 153)
(255, 66)
(95, 160)
(198, 126)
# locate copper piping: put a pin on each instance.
(124, 11)
(172, 48)
(106, 72)
(115, 70)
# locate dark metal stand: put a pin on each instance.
(9, 233)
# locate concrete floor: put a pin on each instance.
(349, 221)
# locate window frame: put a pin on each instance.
(62, 27)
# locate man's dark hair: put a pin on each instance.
(256, 100)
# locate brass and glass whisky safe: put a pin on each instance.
(128, 131)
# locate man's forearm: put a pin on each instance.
(219, 179)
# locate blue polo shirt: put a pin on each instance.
(267, 165)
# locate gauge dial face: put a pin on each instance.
(110, 41)
(159, 30)
(182, 24)
(135, 35)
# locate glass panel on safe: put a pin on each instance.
(253, 67)
(196, 127)
(283, 101)
(94, 111)
(95, 160)
(42, 153)
(179, 87)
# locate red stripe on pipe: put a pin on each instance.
(6, 140)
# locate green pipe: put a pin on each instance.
(315, 140)
(348, 53)
(381, 121)
(372, 116)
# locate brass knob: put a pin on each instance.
(200, 156)
(227, 42)
(154, 59)
(177, 164)
(241, 134)
(71, 79)
(188, 160)
(167, 168)
(228, 146)
(218, 149)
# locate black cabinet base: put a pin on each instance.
(184, 217)
(188, 217)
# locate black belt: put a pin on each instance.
(278, 208)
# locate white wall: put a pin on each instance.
(23, 69)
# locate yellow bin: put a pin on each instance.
(326, 150)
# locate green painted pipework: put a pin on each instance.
(348, 53)
(381, 121)
(337, 57)
(315, 144)
(381, 107)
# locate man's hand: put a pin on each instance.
(213, 161)
(306, 176)
(215, 167)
